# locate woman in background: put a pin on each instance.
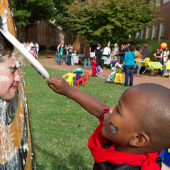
(129, 63)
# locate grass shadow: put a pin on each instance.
(62, 164)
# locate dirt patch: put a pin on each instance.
(137, 80)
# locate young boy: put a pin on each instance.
(131, 134)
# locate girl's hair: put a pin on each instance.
(138, 48)
(6, 48)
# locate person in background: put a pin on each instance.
(129, 63)
(165, 54)
(158, 55)
(98, 54)
(27, 46)
(115, 51)
(121, 54)
(61, 51)
(126, 48)
(36, 51)
(58, 59)
(107, 51)
(146, 50)
(94, 64)
(138, 57)
(69, 55)
(87, 51)
(65, 54)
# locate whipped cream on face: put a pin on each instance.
(4, 79)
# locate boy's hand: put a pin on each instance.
(59, 85)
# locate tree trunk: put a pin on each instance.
(77, 43)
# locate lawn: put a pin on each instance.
(60, 127)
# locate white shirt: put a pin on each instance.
(106, 51)
(165, 55)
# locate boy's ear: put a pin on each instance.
(139, 139)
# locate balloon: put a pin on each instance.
(164, 45)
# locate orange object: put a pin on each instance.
(164, 45)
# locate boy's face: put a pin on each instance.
(124, 116)
(9, 78)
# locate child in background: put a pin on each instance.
(32, 51)
(115, 66)
(94, 63)
(132, 133)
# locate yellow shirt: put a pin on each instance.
(137, 56)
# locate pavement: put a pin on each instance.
(137, 80)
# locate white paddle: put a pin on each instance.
(41, 70)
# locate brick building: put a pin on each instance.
(44, 32)
(160, 30)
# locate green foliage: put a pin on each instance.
(21, 17)
(60, 126)
(28, 11)
(60, 10)
(109, 20)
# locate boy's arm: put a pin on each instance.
(88, 102)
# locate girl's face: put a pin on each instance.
(9, 78)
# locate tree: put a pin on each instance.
(28, 11)
(109, 20)
(60, 10)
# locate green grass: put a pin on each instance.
(60, 127)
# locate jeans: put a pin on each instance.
(58, 59)
(69, 59)
(164, 65)
(129, 73)
(64, 58)
(138, 65)
(85, 63)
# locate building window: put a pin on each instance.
(165, 1)
(147, 33)
(154, 31)
(158, 2)
(161, 31)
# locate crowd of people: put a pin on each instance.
(64, 53)
(129, 57)
(31, 47)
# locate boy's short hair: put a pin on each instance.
(155, 120)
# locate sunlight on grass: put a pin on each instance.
(60, 127)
